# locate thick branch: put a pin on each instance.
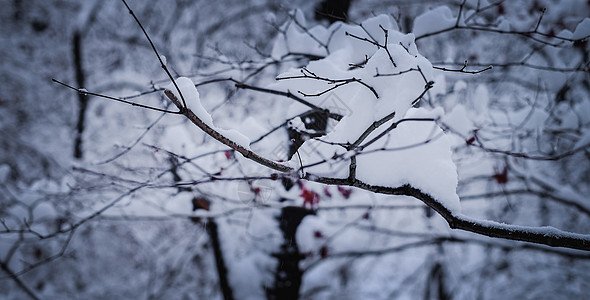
(540, 235)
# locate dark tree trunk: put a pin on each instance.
(211, 227)
(82, 98)
(435, 287)
(288, 275)
(332, 10)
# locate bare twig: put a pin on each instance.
(82, 91)
(162, 64)
(338, 82)
(462, 70)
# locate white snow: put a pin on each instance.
(529, 118)
(503, 24)
(417, 153)
(44, 210)
(565, 34)
(548, 231)
(421, 157)
(582, 142)
(434, 20)
(252, 128)
(315, 151)
(4, 172)
(582, 30)
(480, 99)
(458, 121)
(193, 102)
(459, 85)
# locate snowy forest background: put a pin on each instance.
(105, 200)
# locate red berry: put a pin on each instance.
(345, 192)
(502, 178)
(309, 197)
(327, 192)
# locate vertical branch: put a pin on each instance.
(226, 290)
(435, 285)
(82, 97)
(162, 64)
(78, 57)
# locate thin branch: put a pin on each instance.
(385, 45)
(49, 259)
(18, 281)
(377, 74)
(83, 91)
(287, 94)
(527, 34)
(540, 19)
(479, 144)
(462, 70)
(184, 158)
(379, 46)
(583, 67)
(460, 12)
(339, 82)
(128, 148)
(162, 64)
(212, 178)
(325, 46)
(478, 10)
(438, 240)
(392, 127)
(534, 34)
(529, 156)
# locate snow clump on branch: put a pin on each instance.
(373, 75)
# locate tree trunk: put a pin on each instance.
(82, 98)
(219, 261)
(288, 275)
